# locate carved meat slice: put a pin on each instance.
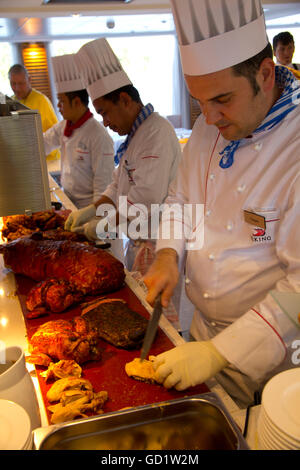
(141, 370)
(68, 383)
(75, 403)
(62, 369)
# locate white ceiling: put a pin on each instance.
(17, 8)
(22, 20)
(36, 8)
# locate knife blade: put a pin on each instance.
(151, 328)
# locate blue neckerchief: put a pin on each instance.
(287, 102)
(142, 116)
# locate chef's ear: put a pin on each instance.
(266, 74)
(76, 101)
(124, 98)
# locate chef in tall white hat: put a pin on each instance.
(87, 151)
(242, 165)
(146, 161)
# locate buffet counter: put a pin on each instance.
(13, 328)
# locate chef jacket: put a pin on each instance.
(40, 102)
(148, 165)
(87, 160)
(229, 279)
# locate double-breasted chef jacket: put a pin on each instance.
(230, 278)
(148, 165)
(87, 160)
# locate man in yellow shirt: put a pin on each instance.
(33, 99)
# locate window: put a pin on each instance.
(147, 60)
(5, 64)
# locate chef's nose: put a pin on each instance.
(105, 122)
(212, 113)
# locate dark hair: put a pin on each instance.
(285, 38)
(82, 94)
(250, 67)
(17, 68)
(114, 96)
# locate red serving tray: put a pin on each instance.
(109, 372)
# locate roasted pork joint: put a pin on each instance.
(87, 269)
(66, 270)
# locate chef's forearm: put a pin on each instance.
(103, 200)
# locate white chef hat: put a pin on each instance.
(66, 74)
(100, 68)
(216, 34)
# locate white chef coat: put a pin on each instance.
(87, 160)
(229, 279)
(147, 167)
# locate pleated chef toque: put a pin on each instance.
(216, 34)
(66, 74)
(100, 68)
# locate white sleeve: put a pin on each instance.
(102, 157)
(156, 163)
(52, 137)
(112, 189)
(177, 198)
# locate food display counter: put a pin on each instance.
(123, 391)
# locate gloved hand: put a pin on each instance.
(89, 229)
(188, 364)
(80, 217)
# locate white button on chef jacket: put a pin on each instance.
(258, 146)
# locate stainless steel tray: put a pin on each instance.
(200, 422)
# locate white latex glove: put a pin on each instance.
(188, 364)
(89, 229)
(80, 217)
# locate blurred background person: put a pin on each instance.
(23, 92)
(87, 150)
(283, 50)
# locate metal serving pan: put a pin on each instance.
(199, 422)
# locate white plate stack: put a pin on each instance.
(278, 426)
(15, 427)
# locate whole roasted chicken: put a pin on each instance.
(64, 339)
(68, 271)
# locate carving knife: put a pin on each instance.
(151, 328)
